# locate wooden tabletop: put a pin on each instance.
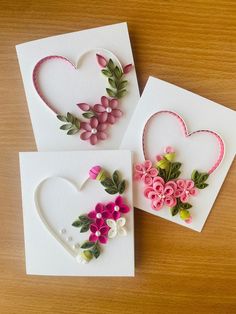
(188, 43)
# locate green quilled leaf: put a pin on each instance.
(107, 182)
(185, 205)
(115, 178)
(70, 117)
(107, 73)
(111, 191)
(96, 251)
(85, 228)
(62, 118)
(122, 85)
(201, 185)
(84, 218)
(118, 73)
(72, 131)
(111, 65)
(174, 210)
(203, 177)
(87, 245)
(174, 175)
(77, 223)
(110, 92)
(66, 126)
(88, 115)
(121, 93)
(112, 82)
(122, 187)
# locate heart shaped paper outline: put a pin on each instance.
(186, 134)
(75, 65)
(39, 210)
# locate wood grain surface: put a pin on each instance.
(188, 43)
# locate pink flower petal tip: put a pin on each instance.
(127, 68)
(101, 60)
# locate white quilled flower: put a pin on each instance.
(117, 227)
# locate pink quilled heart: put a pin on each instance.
(187, 134)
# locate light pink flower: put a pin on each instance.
(161, 193)
(94, 131)
(116, 208)
(107, 110)
(185, 189)
(145, 172)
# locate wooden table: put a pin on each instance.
(189, 43)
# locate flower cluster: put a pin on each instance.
(163, 186)
(101, 115)
(104, 221)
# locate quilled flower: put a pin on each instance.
(108, 110)
(116, 227)
(98, 233)
(116, 208)
(145, 172)
(185, 189)
(99, 214)
(97, 173)
(93, 131)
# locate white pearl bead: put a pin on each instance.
(116, 208)
(98, 233)
(69, 239)
(76, 246)
(63, 231)
(94, 131)
(99, 215)
(108, 109)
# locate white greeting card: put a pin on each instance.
(183, 147)
(81, 88)
(78, 213)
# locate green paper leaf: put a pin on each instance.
(175, 166)
(111, 191)
(87, 245)
(185, 205)
(62, 118)
(72, 131)
(77, 223)
(107, 73)
(174, 175)
(121, 93)
(96, 251)
(122, 187)
(66, 126)
(85, 228)
(174, 210)
(70, 117)
(195, 175)
(110, 92)
(201, 186)
(111, 65)
(162, 173)
(107, 182)
(122, 85)
(88, 115)
(112, 83)
(84, 218)
(115, 177)
(203, 177)
(118, 73)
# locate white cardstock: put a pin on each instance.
(55, 191)
(64, 86)
(195, 152)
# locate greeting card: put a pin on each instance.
(81, 88)
(78, 213)
(183, 147)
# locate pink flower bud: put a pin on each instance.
(159, 157)
(101, 60)
(169, 150)
(97, 173)
(189, 220)
(127, 68)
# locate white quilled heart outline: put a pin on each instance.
(75, 65)
(186, 134)
(39, 210)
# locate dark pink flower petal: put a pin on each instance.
(99, 108)
(101, 60)
(99, 222)
(110, 207)
(102, 136)
(94, 122)
(103, 117)
(85, 135)
(93, 228)
(92, 214)
(93, 139)
(117, 113)
(84, 106)
(85, 126)
(119, 200)
(102, 239)
(116, 215)
(104, 230)
(127, 68)
(111, 119)
(105, 214)
(113, 103)
(105, 101)
(93, 237)
(99, 208)
(102, 127)
(124, 209)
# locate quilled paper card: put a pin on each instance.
(81, 88)
(183, 147)
(78, 213)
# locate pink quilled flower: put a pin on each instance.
(161, 193)
(99, 214)
(94, 131)
(116, 208)
(107, 110)
(145, 172)
(98, 233)
(185, 189)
